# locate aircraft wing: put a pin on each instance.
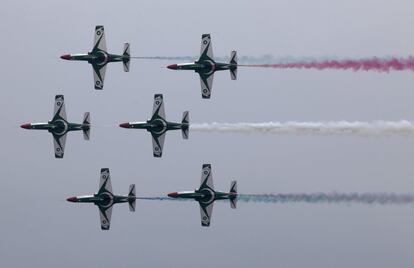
(206, 81)
(59, 111)
(206, 52)
(99, 42)
(157, 144)
(105, 216)
(206, 178)
(206, 210)
(105, 184)
(99, 75)
(59, 144)
(158, 108)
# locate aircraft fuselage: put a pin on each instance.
(202, 195)
(101, 199)
(157, 126)
(205, 67)
(58, 126)
(99, 58)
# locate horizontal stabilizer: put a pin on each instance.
(233, 203)
(185, 125)
(233, 190)
(132, 197)
(86, 126)
(233, 65)
(127, 57)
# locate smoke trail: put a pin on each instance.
(333, 198)
(375, 128)
(372, 64)
(314, 198)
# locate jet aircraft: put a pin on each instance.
(105, 199)
(99, 57)
(205, 66)
(158, 125)
(59, 126)
(206, 195)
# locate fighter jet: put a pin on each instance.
(158, 125)
(105, 199)
(205, 66)
(59, 126)
(206, 195)
(99, 57)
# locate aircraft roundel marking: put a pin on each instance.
(205, 42)
(104, 221)
(104, 176)
(205, 172)
(98, 83)
(58, 103)
(205, 90)
(156, 148)
(58, 149)
(204, 218)
(157, 103)
(98, 32)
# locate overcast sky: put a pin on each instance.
(39, 228)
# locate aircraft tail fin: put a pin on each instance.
(233, 190)
(233, 67)
(86, 128)
(132, 197)
(127, 57)
(185, 125)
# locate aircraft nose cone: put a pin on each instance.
(173, 195)
(124, 125)
(26, 126)
(172, 66)
(72, 199)
(66, 57)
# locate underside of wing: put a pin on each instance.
(206, 177)
(99, 42)
(59, 145)
(105, 184)
(59, 111)
(206, 211)
(105, 214)
(158, 107)
(157, 144)
(206, 51)
(99, 75)
(206, 81)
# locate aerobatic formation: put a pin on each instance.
(205, 66)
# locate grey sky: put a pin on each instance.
(39, 228)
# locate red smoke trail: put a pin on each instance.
(373, 64)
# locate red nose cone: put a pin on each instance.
(172, 66)
(173, 195)
(26, 126)
(124, 125)
(66, 57)
(72, 199)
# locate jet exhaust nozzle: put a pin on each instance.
(172, 67)
(66, 57)
(72, 199)
(173, 195)
(26, 126)
(124, 125)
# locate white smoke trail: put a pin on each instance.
(332, 198)
(314, 198)
(357, 128)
